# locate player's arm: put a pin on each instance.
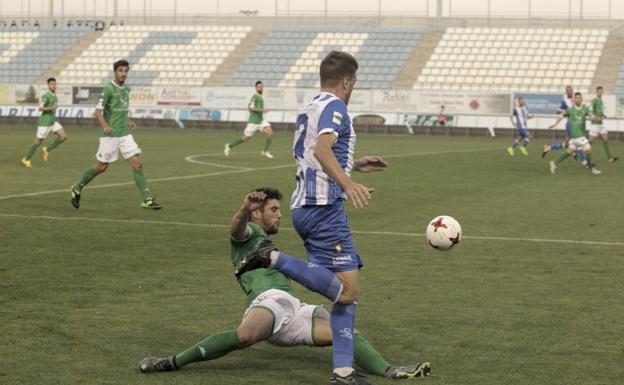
(131, 124)
(513, 122)
(99, 111)
(253, 108)
(238, 228)
(357, 193)
(559, 118)
(44, 106)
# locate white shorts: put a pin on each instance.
(579, 144)
(597, 130)
(110, 147)
(44, 131)
(253, 128)
(293, 319)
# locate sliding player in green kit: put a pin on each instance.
(273, 313)
(577, 114)
(47, 123)
(112, 114)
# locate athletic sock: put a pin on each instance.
(31, 151)
(316, 278)
(589, 160)
(514, 144)
(86, 178)
(267, 144)
(525, 143)
(141, 183)
(342, 323)
(564, 155)
(57, 141)
(607, 149)
(211, 348)
(557, 146)
(235, 142)
(367, 358)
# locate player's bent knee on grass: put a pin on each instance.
(256, 326)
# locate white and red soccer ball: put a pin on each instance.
(443, 232)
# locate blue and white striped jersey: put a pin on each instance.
(326, 113)
(563, 106)
(521, 115)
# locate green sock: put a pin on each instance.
(141, 183)
(235, 142)
(31, 152)
(607, 148)
(267, 144)
(564, 155)
(367, 358)
(588, 157)
(211, 348)
(86, 178)
(55, 144)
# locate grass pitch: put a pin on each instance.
(86, 294)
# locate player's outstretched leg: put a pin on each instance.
(156, 364)
(523, 148)
(267, 143)
(31, 151)
(230, 145)
(45, 150)
(89, 175)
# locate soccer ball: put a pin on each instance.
(443, 232)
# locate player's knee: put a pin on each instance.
(348, 296)
(247, 336)
(101, 167)
(245, 139)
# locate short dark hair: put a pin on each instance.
(121, 63)
(271, 193)
(258, 82)
(335, 67)
(51, 80)
(578, 93)
(598, 88)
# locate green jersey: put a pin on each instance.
(577, 117)
(598, 110)
(257, 281)
(47, 118)
(115, 101)
(256, 102)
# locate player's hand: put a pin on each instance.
(254, 201)
(132, 125)
(358, 194)
(551, 127)
(370, 163)
(108, 129)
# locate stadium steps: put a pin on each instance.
(417, 60)
(609, 64)
(69, 57)
(236, 58)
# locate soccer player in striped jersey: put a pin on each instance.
(519, 119)
(115, 137)
(273, 312)
(577, 115)
(597, 128)
(47, 123)
(324, 146)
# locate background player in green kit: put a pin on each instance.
(577, 115)
(273, 312)
(597, 128)
(47, 123)
(112, 114)
(255, 123)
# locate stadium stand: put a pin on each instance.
(27, 52)
(290, 56)
(618, 88)
(160, 55)
(513, 59)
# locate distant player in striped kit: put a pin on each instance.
(519, 119)
(597, 128)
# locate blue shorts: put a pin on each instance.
(327, 237)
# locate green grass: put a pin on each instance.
(84, 300)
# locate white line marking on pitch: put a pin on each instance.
(363, 232)
(191, 159)
(236, 171)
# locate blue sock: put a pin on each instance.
(557, 146)
(316, 278)
(526, 143)
(581, 155)
(342, 323)
(514, 144)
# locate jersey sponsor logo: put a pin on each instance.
(346, 333)
(337, 117)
